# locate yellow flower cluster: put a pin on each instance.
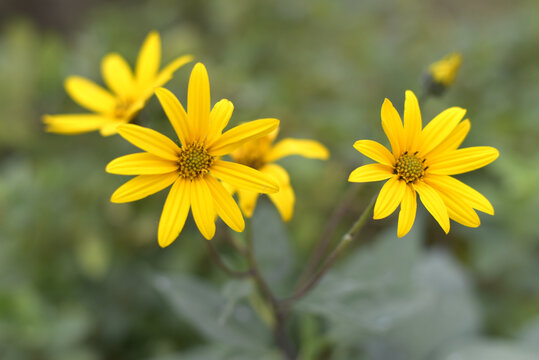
(422, 160)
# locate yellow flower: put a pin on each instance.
(422, 161)
(130, 91)
(193, 167)
(442, 73)
(261, 155)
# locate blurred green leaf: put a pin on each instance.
(202, 305)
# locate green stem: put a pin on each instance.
(324, 241)
(345, 240)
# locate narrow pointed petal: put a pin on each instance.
(219, 117)
(244, 177)
(460, 211)
(389, 198)
(176, 115)
(462, 160)
(284, 199)
(247, 200)
(168, 71)
(149, 60)
(412, 122)
(371, 172)
(307, 148)
(110, 127)
(433, 203)
(392, 125)
(142, 186)
(202, 208)
(198, 101)
(453, 141)
(240, 134)
(460, 190)
(225, 206)
(284, 202)
(74, 123)
(174, 212)
(141, 164)
(150, 141)
(90, 95)
(375, 151)
(407, 211)
(439, 128)
(117, 75)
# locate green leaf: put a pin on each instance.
(202, 305)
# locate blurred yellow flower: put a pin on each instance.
(130, 91)
(422, 161)
(193, 167)
(442, 74)
(261, 155)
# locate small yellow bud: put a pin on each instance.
(442, 74)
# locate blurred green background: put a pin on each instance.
(84, 279)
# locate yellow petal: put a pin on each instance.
(284, 199)
(168, 71)
(247, 200)
(439, 128)
(149, 60)
(219, 117)
(277, 172)
(392, 125)
(462, 160)
(307, 148)
(142, 186)
(176, 115)
(433, 203)
(225, 205)
(453, 141)
(371, 172)
(375, 151)
(110, 127)
(141, 164)
(74, 123)
(457, 189)
(412, 122)
(118, 75)
(150, 141)
(460, 212)
(389, 198)
(240, 134)
(407, 211)
(244, 177)
(284, 202)
(90, 95)
(202, 208)
(174, 212)
(198, 101)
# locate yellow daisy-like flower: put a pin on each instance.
(193, 167)
(129, 91)
(422, 161)
(261, 155)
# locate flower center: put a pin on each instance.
(194, 161)
(409, 167)
(122, 107)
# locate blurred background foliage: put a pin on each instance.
(84, 279)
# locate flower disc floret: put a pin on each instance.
(194, 161)
(409, 168)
